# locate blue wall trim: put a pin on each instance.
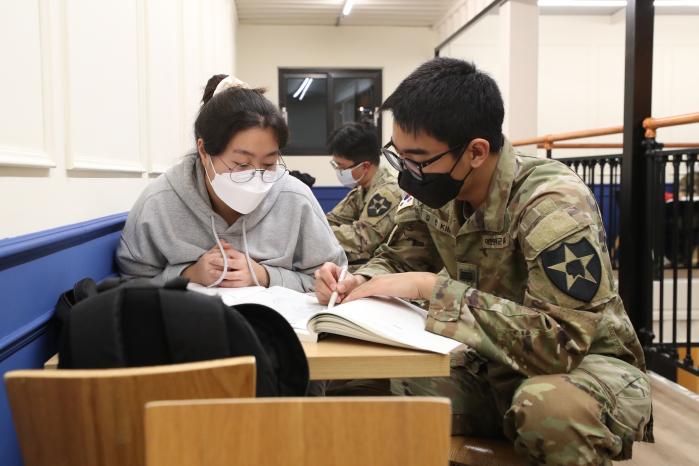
(25, 248)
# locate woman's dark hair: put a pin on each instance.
(233, 110)
(450, 100)
(357, 142)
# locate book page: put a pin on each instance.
(295, 307)
(394, 321)
(227, 294)
(389, 321)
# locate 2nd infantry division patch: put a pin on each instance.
(378, 205)
(574, 268)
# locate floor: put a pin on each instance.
(676, 417)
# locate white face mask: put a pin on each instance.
(345, 177)
(241, 197)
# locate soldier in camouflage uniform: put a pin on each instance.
(551, 359)
(364, 218)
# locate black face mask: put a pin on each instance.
(435, 189)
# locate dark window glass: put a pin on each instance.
(354, 100)
(316, 102)
(307, 111)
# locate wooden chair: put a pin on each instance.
(95, 417)
(299, 431)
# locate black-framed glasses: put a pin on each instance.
(415, 168)
(244, 172)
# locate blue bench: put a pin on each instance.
(34, 270)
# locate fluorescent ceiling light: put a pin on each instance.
(348, 7)
(612, 3)
(308, 84)
(300, 89)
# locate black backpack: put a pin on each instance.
(134, 323)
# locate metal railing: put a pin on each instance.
(672, 202)
(602, 174)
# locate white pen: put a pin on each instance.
(333, 297)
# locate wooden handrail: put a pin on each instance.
(610, 145)
(551, 138)
(652, 124)
(584, 145)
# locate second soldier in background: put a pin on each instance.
(364, 218)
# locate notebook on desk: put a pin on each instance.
(388, 321)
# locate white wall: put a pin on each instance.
(97, 98)
(581, 70)
(459, 14)
(261, 50)
(480, 44)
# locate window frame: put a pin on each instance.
(330, 74)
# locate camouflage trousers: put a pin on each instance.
(586, 417)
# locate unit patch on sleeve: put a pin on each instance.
(574, 268)
(378, 205)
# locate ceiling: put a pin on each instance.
(423, 13)
(610, 10)
(420, 13)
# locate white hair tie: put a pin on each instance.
(229, 82)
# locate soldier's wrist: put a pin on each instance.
(361, 279)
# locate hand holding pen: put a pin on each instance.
(331, 279)
(333, 296)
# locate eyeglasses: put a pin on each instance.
(244, 172)
(415, 168)
(337, 167)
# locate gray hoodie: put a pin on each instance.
(169, 228)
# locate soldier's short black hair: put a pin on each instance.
(450, 100)
(357, 142)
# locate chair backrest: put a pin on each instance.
(95, 417)
(305, 431)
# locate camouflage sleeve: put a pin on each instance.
(409, 248)
(361, 237)
(346, 211)
(569, 287)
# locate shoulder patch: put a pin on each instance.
(378, 205)
(407, 201)
(574, 268)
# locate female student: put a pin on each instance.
(229, 215)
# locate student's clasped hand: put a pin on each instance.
(210, 265)
(409, 285)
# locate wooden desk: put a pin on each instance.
(344, 358)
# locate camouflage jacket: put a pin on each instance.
(531, 285)
(364, 218)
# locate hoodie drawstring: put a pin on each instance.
(225, 256)
(247, 256)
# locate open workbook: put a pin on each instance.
(389, 321)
